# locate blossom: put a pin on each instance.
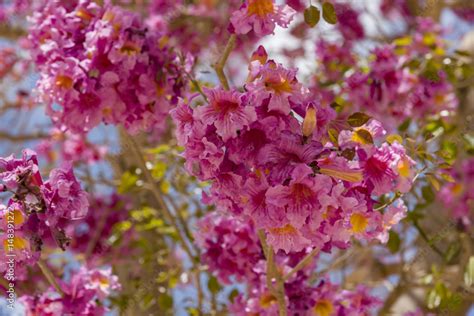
(280, 171)
(227, 112)
(15, 240)
(277, 84)
(83, 295)
(15, 171)
(458, 196)
(64, 196)
(231, 247)
(100, 64)
(261, 17)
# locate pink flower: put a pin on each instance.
(84, 294)
(287, 238)
(230, 247)
(392, 216)
(299, 198)
(227, 111)
(261, 17)
(15, 171)
(277, 84)
(64, 196)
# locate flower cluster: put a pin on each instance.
(70, 147)
(302, 298)
(348, 22)
(231, 247)
(84, 294)
(274, 157)
(458, 196)
(100, 64)
(393, 92)
(38, 211)
(260, 16)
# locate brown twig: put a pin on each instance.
(50, 276)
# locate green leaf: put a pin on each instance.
(165, 301)
(403, 41)
(428, 194)
(127, 182)
(394, 241)
(358, 119)
(433, 181)
(469, 274)
(312, 16)
(405, 125)
(394, 138)
(233, 295)
(213, 285)
(333, 136)
(329, 13)
(452, 252)
(433, 300)
(363, 136)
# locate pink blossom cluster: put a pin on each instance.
(269, 159)
(334, 60)
(261, 17)
(458, 196)
(232, 250)
(38, 211)
(348, 22)
(101, 64)
(84, 294)
(70, 146)
(304, 299)
(391, 91)
(230, 247)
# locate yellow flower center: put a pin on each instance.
(323, 308)
(130, 48)
(83, 14)
(260, 7)
(278, 87)
(404, 168)
(359, 223)
(267, 300)
(18, 243)
(64, 82)
(457, 189)
(285, 230)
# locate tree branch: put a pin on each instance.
(50, 276)
(219, 66)
(279, 290)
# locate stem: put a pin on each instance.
(197, 86)
(165, 211)
(97, 234)
(183, 223)
(199, 291)
(428, 241)
(219, 66)
(50, 276)
(279, 290)
(303, 263)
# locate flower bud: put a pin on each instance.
(310, 121)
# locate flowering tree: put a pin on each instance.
(252, 157)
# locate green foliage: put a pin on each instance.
(312, 15)
(329, 13)
(358, 119)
